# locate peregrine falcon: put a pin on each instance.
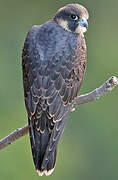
(53, 64)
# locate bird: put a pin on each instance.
(53, 65)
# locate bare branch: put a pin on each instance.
(97, 93)
(82, 99)
(13, 136)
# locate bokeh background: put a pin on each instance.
(89, 147)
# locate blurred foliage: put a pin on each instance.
(89, 147)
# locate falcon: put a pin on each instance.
(53, 64)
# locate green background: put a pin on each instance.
(89, 147)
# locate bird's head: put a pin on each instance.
(73, 18)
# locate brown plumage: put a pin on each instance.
(53, 63)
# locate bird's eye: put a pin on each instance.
(74, 17)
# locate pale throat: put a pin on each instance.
(80, 30)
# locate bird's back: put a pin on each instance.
(53, 62)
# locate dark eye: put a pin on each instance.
(74, 17)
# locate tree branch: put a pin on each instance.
(13, 136)
(82, 99)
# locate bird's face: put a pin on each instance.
(73, 18)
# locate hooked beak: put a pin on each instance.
(83, 23)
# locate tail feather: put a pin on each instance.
(50, 165)
(44, 145)
(39, 142)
